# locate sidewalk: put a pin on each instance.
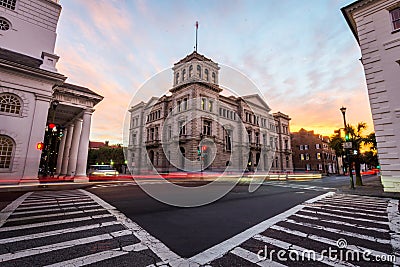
(372, 187)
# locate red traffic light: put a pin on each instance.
(40, 146)
(203, 148)
(51, 125)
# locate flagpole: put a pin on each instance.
(197, 27)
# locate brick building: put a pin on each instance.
(311, 152)
(196, 128)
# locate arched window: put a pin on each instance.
(10, 104)
(213, 78)
(183, 75)
(190, 71)
(6, 152)
(198, 71)
(206, 73)
(177, 78)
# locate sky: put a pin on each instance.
(301, 55)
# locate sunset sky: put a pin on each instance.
(300, 54)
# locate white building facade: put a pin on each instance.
(376, 26)
(34, 97)
(196, 128)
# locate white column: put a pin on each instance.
(73, 153)
(84, 146)
(37, 131)
(61, 152)
(67, 148)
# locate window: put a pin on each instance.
(214, 78)
(307, 156)
(203, 104)
(249, 135)
(301, 156)
(257, 138)
(308, 167)
(198, 71)
(264, 139)
(183, 75)
(134, 139)
(190, 71)
(176, 78)
(207, 127)
(210, 106)
(185, 104)
(6, 152)
(320, 167)
(10, 104)
(182, 128)
(228, 140)
(206, 73)
(10, 4)
(395, 14)
(286, 144)
(305, 147)
(318, 155)
(317, 146)
(178, 104)
(4, 24)
(301, 147)
(169, 135)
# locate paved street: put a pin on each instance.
(118, 224)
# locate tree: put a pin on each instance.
(355, 136)
(112, 155)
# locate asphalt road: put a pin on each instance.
(188, 231)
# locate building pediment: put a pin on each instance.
(257, 101)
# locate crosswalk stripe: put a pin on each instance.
(287, 246)
(350, 202)
(55, 209)
(343, 223)
(363, 198)
(319, 204)
(54, 215)
(341, 232)
(6, 212)
(56, 232)
(62, 245)
(42, 224)
(100, 256)
(54, 205)
(253, 258)
(52, 200)
(325, 240)
(343, 217)
(55, 201)
(347, 212)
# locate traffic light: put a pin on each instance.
(51, 126)
(347, 137)
(198, 151)
(203, 148)
(39, 146)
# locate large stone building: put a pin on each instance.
(311, 153)
(376, 26)
(195, 127)
(38, 109)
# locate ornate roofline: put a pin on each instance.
(193, 56)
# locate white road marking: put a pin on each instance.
(57, 232)
(341, 232)
(52, 200)
(330, 242)
(253, 258)
(227, 245)
(161, 250)
(320, 204)
(343, 223)
(53, 215)
(301, 251)
(100, 256)
(348, 212)
(394, 225)
(62, 245)
(6, 212)
(55, 205)
(55, 209)
(344, 217)
(42, 224)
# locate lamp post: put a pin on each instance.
(343, 110)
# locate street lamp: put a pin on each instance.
(346, 133)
